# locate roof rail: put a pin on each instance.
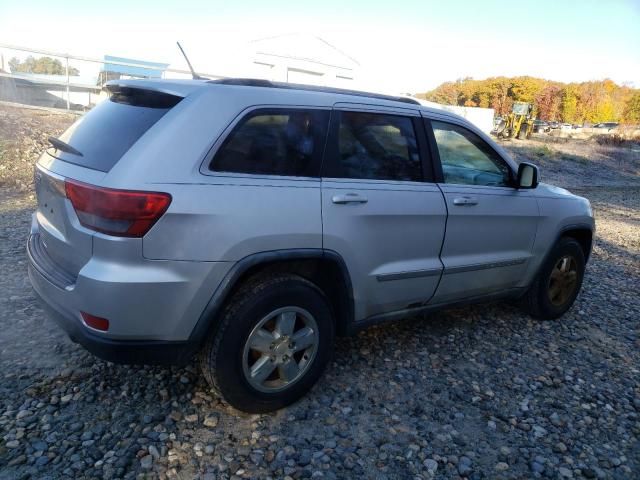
(258, 82)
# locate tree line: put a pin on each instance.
(47, 65)
(591, 102)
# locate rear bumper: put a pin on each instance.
(152, 306)
(155, 352)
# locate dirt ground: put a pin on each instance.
(573, 163)
(23, 137)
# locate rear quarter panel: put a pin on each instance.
(229, 218)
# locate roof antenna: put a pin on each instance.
(193, 73)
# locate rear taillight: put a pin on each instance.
(123, 213)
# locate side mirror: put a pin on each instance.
(527, 175)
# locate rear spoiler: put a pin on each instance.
(141, 97)
(178, 88)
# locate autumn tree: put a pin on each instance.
(632, 109)
(446, 94)
(596, 101)
(525, 89)
(569, 104)
(548, 102)
(501, 102)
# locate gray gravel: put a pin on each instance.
(477, 392)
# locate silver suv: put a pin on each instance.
(250, 222)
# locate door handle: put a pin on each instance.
(348, 198)
(461, 201)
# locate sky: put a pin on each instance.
(402, 46)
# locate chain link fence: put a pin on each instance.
(60, 80)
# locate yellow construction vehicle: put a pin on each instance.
(518, 124)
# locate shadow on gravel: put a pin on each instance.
(623, 261)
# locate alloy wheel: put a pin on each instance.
(280, 349)
(563, 280)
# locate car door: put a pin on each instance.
(380, 211)
(491, 225)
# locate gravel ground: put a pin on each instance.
(579, 163)
(476, 392)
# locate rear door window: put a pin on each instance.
(373, 146)
(275, 142)
(106, 132)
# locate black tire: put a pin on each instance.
(537, 301)
(221, 358)
(522, 133)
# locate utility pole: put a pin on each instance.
(67, 70)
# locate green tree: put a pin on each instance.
(47, 65)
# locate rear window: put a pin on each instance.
(105, 133)
(275, 142)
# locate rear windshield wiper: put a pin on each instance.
(65, 147)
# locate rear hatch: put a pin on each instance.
(85, 153)
(67, 246)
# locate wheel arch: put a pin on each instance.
(583, 234)
(325, 268)
(580, 233)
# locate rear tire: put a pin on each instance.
(279, 326)
(522, 133)
(555, 288)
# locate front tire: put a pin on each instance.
(273, 342)
(558, 282)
